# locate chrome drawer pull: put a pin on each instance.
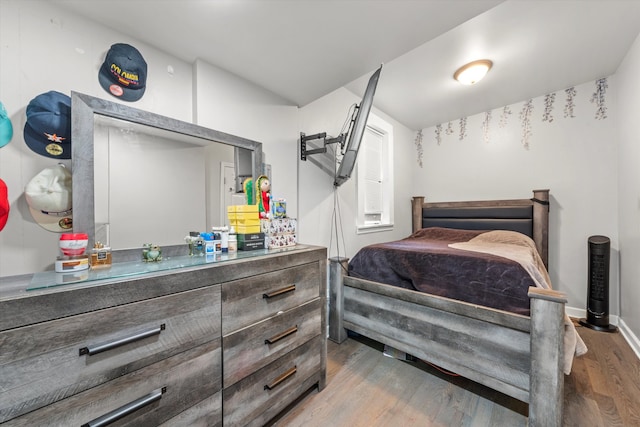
(127, 409)
(281, 335)
(279, 292)
(280, 379)
(99, 348)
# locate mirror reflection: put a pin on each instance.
(139, 177)
(153, 184)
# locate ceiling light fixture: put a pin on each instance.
(473, 72)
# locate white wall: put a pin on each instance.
(576, 158)
(318, 202)
(43, 48)
(629, 188)
(228, 103)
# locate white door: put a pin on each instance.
(227, 183)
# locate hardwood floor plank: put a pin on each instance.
(367, 389)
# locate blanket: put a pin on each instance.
(521, 249)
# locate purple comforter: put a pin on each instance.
(424, 262)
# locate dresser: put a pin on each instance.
(183, 342)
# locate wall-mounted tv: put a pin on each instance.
(356, 132)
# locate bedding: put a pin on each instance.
(429, 261)
(489, 268)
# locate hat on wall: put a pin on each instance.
(48, 127)
(4, 204)
(6, 128)
(124, 72)
(48, 195)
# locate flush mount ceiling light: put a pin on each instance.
(473, 72)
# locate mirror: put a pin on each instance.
(140, 177)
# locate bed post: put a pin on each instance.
(337, 268)
(546, 377)
(541, 223)
(416, 212)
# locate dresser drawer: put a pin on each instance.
(207, 413)
(53, 360)
(249, 349)
(247, 301)
(153, 394)
(259, 397)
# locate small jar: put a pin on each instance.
(100, 256)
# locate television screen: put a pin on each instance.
(356, 133)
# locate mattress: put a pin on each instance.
(426, 262)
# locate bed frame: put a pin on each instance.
(520, 356)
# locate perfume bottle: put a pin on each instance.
(100, 256)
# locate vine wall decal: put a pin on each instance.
(449, 130)
(549, 99)
(598, 98)
(485, 126)
(439, 133)
(525, 118)
(419, 148)
(570, 103)
(463, 128)
(504, 116)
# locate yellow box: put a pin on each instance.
(243, 229)
(246, 208)
(243, 216)
(248, 222)
(231, 209)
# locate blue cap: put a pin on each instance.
(48, 127)
(124, 72)
(6, 128)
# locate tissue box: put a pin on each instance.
(279, 232)
(272, 227)
(280, 241)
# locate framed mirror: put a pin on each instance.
(139, 177)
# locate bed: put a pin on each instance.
(519, 352)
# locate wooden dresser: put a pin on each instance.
(225, 343)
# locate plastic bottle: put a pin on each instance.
(233, 240)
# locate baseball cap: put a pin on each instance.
(48, 127)
(49, 195)
(4, 204)
(124, 72)
(6, 128)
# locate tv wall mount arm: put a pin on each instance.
(304, 152)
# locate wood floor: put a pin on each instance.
(365, 388)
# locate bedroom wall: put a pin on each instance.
(228, 103)
(576, 157)
(319, 200)
(43, 48)
(68, 58)
(629, 191)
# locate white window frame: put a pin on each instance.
(385, 129)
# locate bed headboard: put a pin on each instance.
(527, 216)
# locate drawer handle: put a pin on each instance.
(280, 379)
(127, 409)
(99, 348)
(274, 339)
(279, 292)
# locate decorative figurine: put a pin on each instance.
(151, 253)
(260, 194)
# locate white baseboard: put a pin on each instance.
(628, 335)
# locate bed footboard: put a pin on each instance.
(520, 356)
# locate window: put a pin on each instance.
(375, 177)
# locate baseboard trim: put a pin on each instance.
(628, 335)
